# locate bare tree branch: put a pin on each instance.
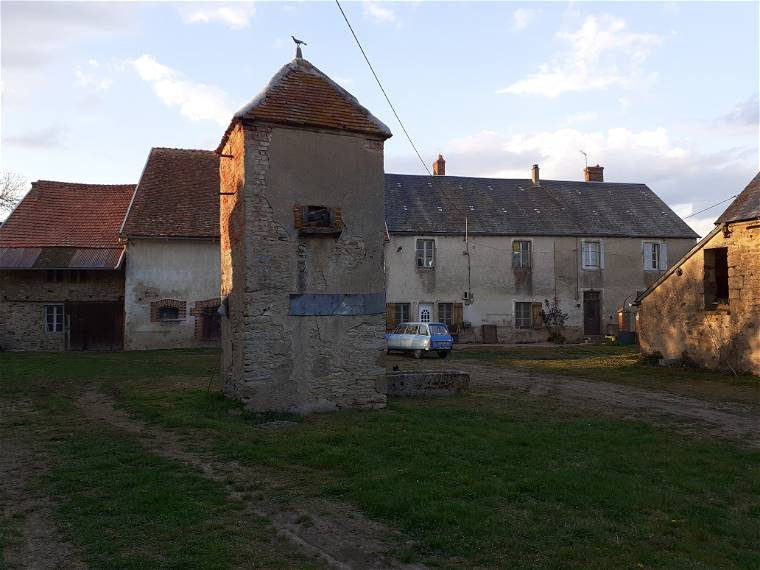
(12, 187)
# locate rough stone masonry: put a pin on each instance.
(302, 227)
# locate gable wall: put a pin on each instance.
(674, 322)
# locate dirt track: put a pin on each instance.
(684, 414)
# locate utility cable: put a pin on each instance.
(711, 207)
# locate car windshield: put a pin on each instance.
(438, 329)
(399, 329)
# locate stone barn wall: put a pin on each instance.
(674, 320)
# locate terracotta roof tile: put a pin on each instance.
(301, 95)
(66, 214)
(177, 196)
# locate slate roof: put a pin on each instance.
(496, 206)
(177, 196)
(301, 95)
(746, 206)
(65, 214)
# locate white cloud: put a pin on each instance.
(581, 118)
(235, 16)
(600, 55)
(45, 138)
(196, 101)
(96, 75)
(522, 17)
(343, 81)
(746, 113)
(379, 13)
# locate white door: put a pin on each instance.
(426, 312)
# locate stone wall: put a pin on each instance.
(556, 269)
(23, 295)
(675, 323)
(272, 359)
(181, 273)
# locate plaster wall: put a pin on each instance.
(274, 360)
(179, 269)
(675, 323)
(556, 270)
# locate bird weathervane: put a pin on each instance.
(298, 47)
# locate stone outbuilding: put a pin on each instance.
(706, 308)
(302, 229)
(62, 268)
(171, 232)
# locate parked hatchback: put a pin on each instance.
(419, 338)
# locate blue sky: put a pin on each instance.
(660, 93)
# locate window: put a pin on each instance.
(438, 329)
(446, 313)
(425, 315)
(54, 276)
(168, 313)
(528, 315)
(425, 253)
(655, 256)
(403, 311)
(210, 329)
(317, 220)
(716, 277)
(53, 318)
(592, 255)
(520, 254)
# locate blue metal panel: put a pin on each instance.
(343, 304)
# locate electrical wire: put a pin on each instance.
(372, 69)
(711, 207)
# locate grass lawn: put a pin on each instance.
(493, 479)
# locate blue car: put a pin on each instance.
(419, 338)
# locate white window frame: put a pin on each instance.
(601, 254)
(59, 318)
(428, 255)
(522, 254)
(518, 318)
(647, 249)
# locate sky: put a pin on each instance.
(664, 94)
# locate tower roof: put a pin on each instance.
(301, 95)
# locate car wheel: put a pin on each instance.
(418, 354)
(443, 353)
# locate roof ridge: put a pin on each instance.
(516, 180)
(203, 150)
(83, 184)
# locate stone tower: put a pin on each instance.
(302, 227)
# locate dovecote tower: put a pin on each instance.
(301, 220)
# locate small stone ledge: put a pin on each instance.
(428, 383)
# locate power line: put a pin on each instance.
(372, 69)
(711, 207)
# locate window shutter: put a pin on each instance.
(601, 254)
(663, 256)
(458, 317)
(538, 321)
(390, 316)
(648, 256)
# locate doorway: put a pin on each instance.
(426, 312)
(95, 326)
(592, 312)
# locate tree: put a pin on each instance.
(554, 319)
(12, 186)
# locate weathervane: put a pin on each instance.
(298, 47)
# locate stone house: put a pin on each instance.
(171, 233)
(62, 268)
(706, 308)
(484, 254)
(301, 221)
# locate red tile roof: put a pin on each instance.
(177, 196)
(66, 214)
(301, 95)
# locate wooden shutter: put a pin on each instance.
(457, 317)
(648, 256)
(390, 316)
(663, 256)
(536, 317)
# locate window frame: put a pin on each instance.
(59, 318)
(600, 254)
(442, 308)
(519, 318)
(417, 249)
(402, 308)
(661, 256)
(522, 254)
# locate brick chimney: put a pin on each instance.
(594, 173)
(439, 166)
(534, 175)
